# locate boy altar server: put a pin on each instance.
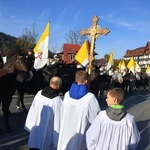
(79, 109)
(113, 128)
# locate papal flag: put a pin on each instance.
(110, 61)
(41, 48)
(119, 65)
(130, 65)
(137, 67)
(123, 66)
(82, 55)
(148, 70)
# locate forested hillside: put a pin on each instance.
(10, 45)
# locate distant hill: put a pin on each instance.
(7, 44)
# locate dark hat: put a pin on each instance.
(30, 49)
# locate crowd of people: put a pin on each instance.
(76, 121)
(126, 79)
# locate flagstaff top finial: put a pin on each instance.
(95, 20)
(95, 30)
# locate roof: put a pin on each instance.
(73, 48)
(145, 50)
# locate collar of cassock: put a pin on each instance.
(78, 91)
(116, 112)
(50, 92)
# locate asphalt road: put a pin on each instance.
(137, 103)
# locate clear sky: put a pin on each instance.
(127, 20)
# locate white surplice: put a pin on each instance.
(43, 122)
(76, 117)
(107, 134)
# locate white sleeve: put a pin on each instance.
(30, 122)
(94, 108)
(92, 134)
(135, 138)
(57, 108)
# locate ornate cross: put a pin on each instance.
(94, 33)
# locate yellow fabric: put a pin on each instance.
(42, 38)
(119, 65)
(82, 55)
(131, 63)
(123, 63)
(110, 61)
(148, 69)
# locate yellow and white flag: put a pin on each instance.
(82, 55)
(148, 70)
(110, 61)
(123, 66)
(137, 67)
(130, 65)
(119, 65)
(41, 49)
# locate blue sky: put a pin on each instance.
(128, 21)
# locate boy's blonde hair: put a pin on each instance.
(117, 93)
(81, 76)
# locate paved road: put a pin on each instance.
(17, 140)
(137, 104)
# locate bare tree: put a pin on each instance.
(74, 37)
(56, 48)
(27, 38)
(106, 56)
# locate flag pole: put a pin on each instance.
(91, 56)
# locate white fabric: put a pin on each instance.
(41, 57)
(4, 59)
(43, 122)
(106, 134)
(77, 115)
(118, 76)
(122, 68)
(124, 72)
(137, 76)
(108, 66)
(110, 73)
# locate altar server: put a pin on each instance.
(79, 109)
(43, 118)
(113, 128)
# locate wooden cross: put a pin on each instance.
(94, 33)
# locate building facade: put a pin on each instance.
(70, 50)
(141, 55)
